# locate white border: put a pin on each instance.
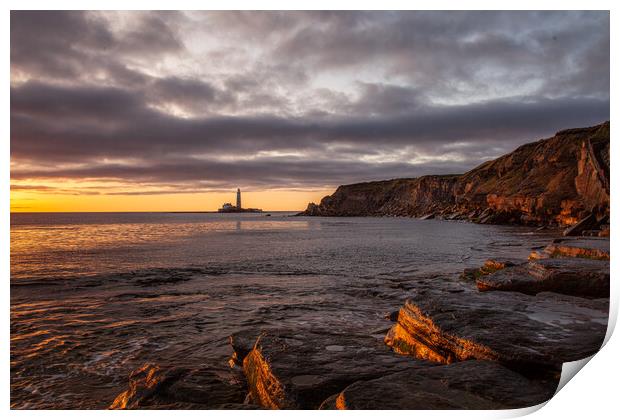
(591, 394)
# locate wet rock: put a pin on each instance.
(152, 386)
(300, 369)
(571, 276)
(469, 274)
(589, 222)
(233, 406)
(391, 316)
(520, 331)
(490, 266)
(242, 343)
(470, 385)
(591, 248)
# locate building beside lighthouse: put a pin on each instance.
(229, 208)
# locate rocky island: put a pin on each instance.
(494, 338)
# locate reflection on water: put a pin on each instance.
(63, 246)
(94, 296)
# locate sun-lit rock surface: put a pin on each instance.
(558, 181)
(489, 266)
(470, 385)
(570, 276)
(300, 369)
(525, 332)
(593, 248)
(155, 387)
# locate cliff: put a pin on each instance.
(552, 182)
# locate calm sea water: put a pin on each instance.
(95, 295)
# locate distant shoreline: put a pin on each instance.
(156, 211)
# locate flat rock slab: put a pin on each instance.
(470, 385)
(592, 248)
(571, 276)
(156, 387)
(526, 333)
(489, 267)
(299, 369)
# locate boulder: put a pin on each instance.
(571, 276)
(153, 386)
(470, 385)
(526, 333)
(296, 369)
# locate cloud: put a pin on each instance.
(89, 121)
(194, 100)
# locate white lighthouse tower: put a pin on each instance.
(238, 198)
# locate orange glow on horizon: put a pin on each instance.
(24, 200)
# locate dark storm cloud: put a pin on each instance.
(65, 44)
(293, 172)
(299, 98)
(53, 42)
(93, 122)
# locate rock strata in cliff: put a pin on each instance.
(517, 330)
(559, 181)
(470, 385)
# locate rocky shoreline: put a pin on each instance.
(562, 182)
(494, 339)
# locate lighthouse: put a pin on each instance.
(229, 208)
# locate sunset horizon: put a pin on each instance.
(284, 200)
(167, 111)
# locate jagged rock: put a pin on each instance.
(557, 181)
(152, 386)
(242, 343)
(570, 276)
(489, 266)
(470, 385)
(299, 369)
(591, 248)
(523, 332)
(392, 316)
(589, 222)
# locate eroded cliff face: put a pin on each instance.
(556, 181)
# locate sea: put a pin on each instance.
(97, 295)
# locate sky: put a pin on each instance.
(157, 111)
